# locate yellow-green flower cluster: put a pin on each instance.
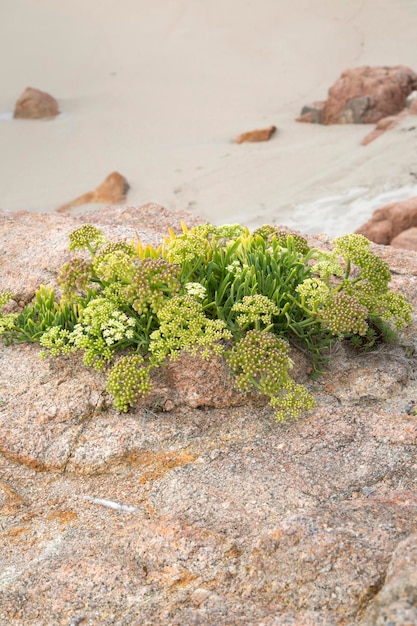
(236, 268)
(283, 238)
(86, 237)
(216, 233)
(154, 281)
(343, 314)
(327, 265)
(187, 248)
(352, 247)
(261, 359)
(8, 322)
(313, 292)
(115, 262)
(57, 340)
(103, 327)
(5, 297)
(75, 278)
(196, 290)
(254, 310)
(363, 290)
(205, 231)
(376, 271)
(230, 231)
(396, 309)
(291, 400)
(292, 239)
(183, 326)
(128, 380)
(265, 231)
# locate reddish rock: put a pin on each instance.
(312, 113)
(386, 123)
(411, 100)
(407, 239)
(262, 134)
(390, 220)
(365, 95)
(35, 104)
(112, 190)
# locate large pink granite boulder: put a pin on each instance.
(390, 220)
(364, 95)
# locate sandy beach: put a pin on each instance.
(158, 89)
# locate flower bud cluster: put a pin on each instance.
(352, 247)
(286, 239)
(283, 238)
(327, 265)
(344, 314)
(255, 310)
(291, 401)
(186, 248)
(205, 231)
(218, 233)
(313, 292)
(197, 290)
(230, 231)
(154, 281)
(87, 236)
(183, 326)
(376, 271)
(8, 322)
(261, 359)
(5, 297)
(101, 330)
(57, 340)
(236, 268)
(115, 262)
(128, 380)
(75, 278)
(395, 308)
(265, 231)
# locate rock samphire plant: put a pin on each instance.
(211, 290)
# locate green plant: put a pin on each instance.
(211, 290)
(43, 313)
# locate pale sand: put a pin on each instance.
(157, 89)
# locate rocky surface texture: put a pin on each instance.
(201, 509)
(113, 190)
(394, 224)
(35, 104)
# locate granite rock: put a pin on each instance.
(35, 104)
(209, 513)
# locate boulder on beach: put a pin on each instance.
(216, 513)
(261, 134)
(113, 190)
(364, 95)
(407, 240)
(389, 221)
(35, 104)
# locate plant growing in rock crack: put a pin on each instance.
(211, 290)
